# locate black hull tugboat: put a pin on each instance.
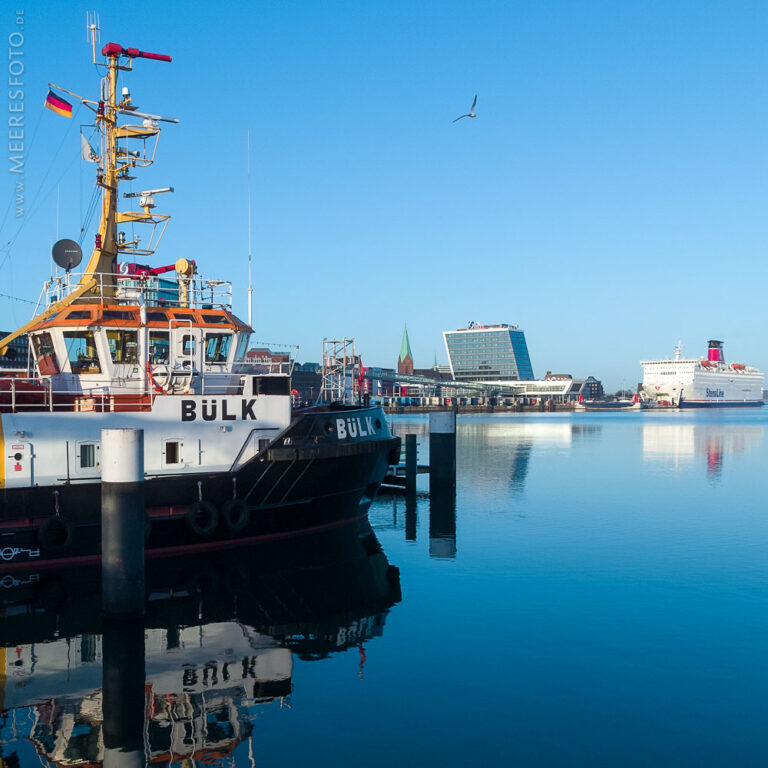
(128, 345)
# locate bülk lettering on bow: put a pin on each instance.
(212, 409)
(354, 427)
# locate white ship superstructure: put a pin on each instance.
(698, 383)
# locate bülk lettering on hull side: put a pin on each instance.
(212, 409)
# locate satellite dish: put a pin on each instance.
(67, 254)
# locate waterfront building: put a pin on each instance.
(488, 352)
(15, 358)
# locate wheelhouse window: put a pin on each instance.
(242, 347)
(81, 352)
(46, 357)
(123, 346)
(159, 347)
(217, 347)
(188, 345)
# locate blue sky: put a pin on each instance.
(609, 198)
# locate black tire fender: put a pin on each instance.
(236, 514)
(55, 534)
(202, 518)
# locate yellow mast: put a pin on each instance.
(103, 261)
(99, 280)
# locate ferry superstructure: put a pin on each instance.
(701, 383)
(126, 344)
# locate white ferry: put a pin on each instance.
(126, 344)
(701, 383)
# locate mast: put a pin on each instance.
(103, 261)
(99, 280)
(250, 283)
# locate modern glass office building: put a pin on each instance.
(488, 352)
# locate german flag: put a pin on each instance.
(58, 105)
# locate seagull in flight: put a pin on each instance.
(471, 112)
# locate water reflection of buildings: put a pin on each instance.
(503, 448)
(492, 450)
(681, 444)
(216, 646)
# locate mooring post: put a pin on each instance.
(122, 521)
(411, 465)
(442, 451)
(123, 692)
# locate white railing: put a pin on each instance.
(155, 290)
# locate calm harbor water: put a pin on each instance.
(597, 595)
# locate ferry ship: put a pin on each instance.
(701, 383)
(128, 345)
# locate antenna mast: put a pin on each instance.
(92, 31)
(250, 254)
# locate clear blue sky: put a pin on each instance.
(610, 197)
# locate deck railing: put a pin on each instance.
(154, 290)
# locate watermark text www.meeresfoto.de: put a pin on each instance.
(16, 110)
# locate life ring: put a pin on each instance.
(55, 534)
(203, 518)
(161, 376)
(236, 514)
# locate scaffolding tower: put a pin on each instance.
(340, 371)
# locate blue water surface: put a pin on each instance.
(597, 595)
(607, 604)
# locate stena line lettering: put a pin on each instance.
(354, 427)
(715, 393)
(218, 410)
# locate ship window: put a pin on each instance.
(115, 314)
(81, 352)
(217, 347)
(211, 319)
(159, 347)
(188, 345)
(183, 316)
(242, 346)
(271, 385)
(79, 314)
(123, 346)
(172, 451)
(87, 455)
(157, 317)
(46, 357)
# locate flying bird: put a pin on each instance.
(471, 112)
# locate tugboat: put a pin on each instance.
(125, 344)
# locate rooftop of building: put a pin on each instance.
(473, 326)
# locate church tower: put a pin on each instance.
(405, 360)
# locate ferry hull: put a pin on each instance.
(721, 404)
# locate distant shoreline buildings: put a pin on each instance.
(497, 354)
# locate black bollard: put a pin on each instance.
(442, 451)
(122, 521)
(123, 702)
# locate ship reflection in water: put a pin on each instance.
(679, 444)
(187, 681)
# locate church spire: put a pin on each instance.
(405, 360)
